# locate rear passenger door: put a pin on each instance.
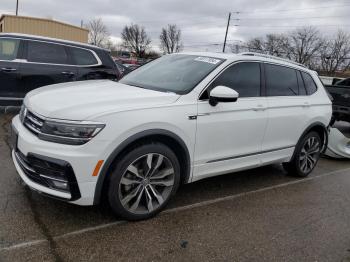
(47, 63)
(287, 110)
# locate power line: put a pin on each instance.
(284, 18)
(205, 45)
(292, 10)
(291, 26)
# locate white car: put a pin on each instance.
(178, 119)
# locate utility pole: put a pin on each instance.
(17, 8)
(228, 24)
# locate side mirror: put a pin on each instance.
(222, 94)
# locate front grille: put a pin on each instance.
(33, 122)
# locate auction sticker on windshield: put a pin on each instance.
(207, 60)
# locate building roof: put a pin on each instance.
(43, 20)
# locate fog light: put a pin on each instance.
(60, 185)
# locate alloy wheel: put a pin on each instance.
(309, 154)
(146, 183)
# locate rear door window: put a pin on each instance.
(281, 81)
(309, 83)
(48, 53)
(82, 57)
(8, 49)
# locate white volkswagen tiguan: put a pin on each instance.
(178, 119)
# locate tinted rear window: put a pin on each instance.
(309, 83)
(82, 56)
(281, 81)
(41, 52)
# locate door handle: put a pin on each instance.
(259, 108)
(67, 73)
(8, 69)
(306, 104)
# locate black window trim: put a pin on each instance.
(262, 83)
(24, 57)
(263, 91)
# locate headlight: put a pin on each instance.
(67, 133)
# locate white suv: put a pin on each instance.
(178, 119)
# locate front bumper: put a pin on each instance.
(47, 172)
(80, 160)
(33, 183)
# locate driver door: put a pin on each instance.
(230, 134)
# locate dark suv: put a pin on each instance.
(28, 62)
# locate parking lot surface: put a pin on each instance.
(256, 215)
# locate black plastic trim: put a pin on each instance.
(250, 154)
(103, 174)
(68, 170)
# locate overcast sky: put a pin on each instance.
(203, 22)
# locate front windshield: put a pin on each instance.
(173, 73)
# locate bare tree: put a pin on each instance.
(302, 45)
(256, 44)
(305, 43)
(335, 53)
(278, 45)
(98, 32)
(272, 44)
(170, 39)
(136, 39)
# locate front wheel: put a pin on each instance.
(306, 156)
(143, 181)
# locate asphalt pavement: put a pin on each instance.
(256, 215)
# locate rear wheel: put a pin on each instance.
(143, 181)
(306, 156)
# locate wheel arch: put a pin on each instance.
(169, 138)
(321, 130)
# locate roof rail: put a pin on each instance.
(272, 57)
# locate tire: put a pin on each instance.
(306, 156)
(143, 181)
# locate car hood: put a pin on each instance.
(88, 99)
